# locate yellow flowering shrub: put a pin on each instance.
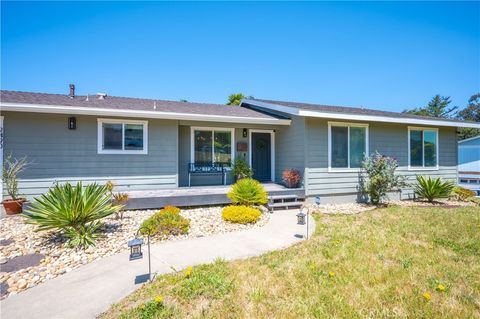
(165, 222)
(241, 214)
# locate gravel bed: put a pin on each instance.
(356, 208)
(22, 240)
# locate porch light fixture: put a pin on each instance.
(136, 250)
(72, 123)
(244, 132)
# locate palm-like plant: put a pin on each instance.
(248, 192)
(75, 210)
(430, 188)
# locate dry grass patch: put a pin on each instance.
(378, 264)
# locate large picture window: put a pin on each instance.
(212, 145)
(348, 144)
(122, 136)
(423, 148)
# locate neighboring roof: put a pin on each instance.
(352, 113)
(125, 106)
(470, 140)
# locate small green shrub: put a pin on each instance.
(241, 169)
(75, 210)
(430, 188)
(379, 177)
(11, 168)
(241, 214)
(165, 222)
(248, 192)
(463, 193)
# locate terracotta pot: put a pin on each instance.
(13, 207)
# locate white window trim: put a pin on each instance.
(437, 147)
(345, 124)
(100, 149)
(212, 129)
(272, 149)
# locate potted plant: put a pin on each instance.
(291, 177)
(241, 169)
(11, 168)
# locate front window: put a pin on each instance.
(423, 150)
(348, 144)
(212, 146)
(122, 137)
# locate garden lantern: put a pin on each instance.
(317, 200)
(135, 248)
(301, 218)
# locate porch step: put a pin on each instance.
(285, 201)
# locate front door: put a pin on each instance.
(261, 156)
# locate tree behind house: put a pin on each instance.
(437, 107)
(470, 113)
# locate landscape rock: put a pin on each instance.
(58, 259)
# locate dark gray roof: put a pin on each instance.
(127, 103)
(351, 110)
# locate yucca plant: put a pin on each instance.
(75, 210)
(248, 192)
(430, 188)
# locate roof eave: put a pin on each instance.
(357, 117)
(63, 109)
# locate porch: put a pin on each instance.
(197, 196)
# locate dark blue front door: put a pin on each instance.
(261, 157)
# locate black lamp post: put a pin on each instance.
(136, 250)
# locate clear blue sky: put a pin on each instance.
(385, 55)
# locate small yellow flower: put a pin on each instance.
(312, 267)
(441, 288)
(142, 306)
(158, 299)
(427, 296)
(331, 273)
(188, 272)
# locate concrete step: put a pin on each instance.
(282, 197)
(285, 205)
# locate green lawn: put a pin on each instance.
(378, 264)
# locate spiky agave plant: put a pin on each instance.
(430, 188)
(76, 210)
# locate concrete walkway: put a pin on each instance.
(89, 290)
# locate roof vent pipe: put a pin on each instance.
(72, 91)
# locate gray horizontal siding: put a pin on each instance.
(290, 147)
(388, 139)
(59, 155)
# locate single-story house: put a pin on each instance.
(144, 144)
(469, 163)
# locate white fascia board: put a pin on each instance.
(358, 117)
(62, 109)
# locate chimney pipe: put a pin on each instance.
(72, 90)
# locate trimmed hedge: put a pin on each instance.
(241, 214)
